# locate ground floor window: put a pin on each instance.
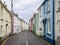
(1, 29)
(49, 26)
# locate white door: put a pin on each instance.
(58, 28)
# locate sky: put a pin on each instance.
(24, 8)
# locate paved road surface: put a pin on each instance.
(25, 38)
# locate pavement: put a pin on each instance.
(57, 42)
(24, 38)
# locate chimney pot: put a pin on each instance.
(4, 2)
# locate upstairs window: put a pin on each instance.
(44, 8)
(59, 5)
(48, 5)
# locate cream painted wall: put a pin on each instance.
(19, 26)
(15, 24)
(8, 18)
(24, 26)
(27, 26)
(4, 15)
(57, 18)
(40, 12)
(0, 19)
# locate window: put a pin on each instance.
(59, 5)
(44, 8)
(1, 29)
(1, 10)
(48, 5)
(49, 26)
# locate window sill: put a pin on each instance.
(58, 11)
(48, 11)
(48, 34)
(2, 19)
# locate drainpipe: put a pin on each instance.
(12, 16)
(53, 24)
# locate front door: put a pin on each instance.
(6, 30)
(44, 29)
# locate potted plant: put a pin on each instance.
(0, 40)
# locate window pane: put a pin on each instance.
(49, 26)
(58, 5)
(48, 5)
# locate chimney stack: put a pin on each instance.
(5, 4)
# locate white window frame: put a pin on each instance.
(58, 4)
(49, 26)
(48, 5)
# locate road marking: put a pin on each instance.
(26, 42)
(43, 40)
(26, 39)
(7, 39)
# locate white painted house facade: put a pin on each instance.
(40, 12)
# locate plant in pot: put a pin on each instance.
(0, 40)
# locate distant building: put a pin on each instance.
(27, 26)
(31, 24)
(23, 23)
(15, 23)
(20, 26)
(36, 24)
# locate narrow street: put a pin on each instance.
(25, 38)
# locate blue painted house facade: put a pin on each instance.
(48, 20)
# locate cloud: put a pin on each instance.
(25, 8)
